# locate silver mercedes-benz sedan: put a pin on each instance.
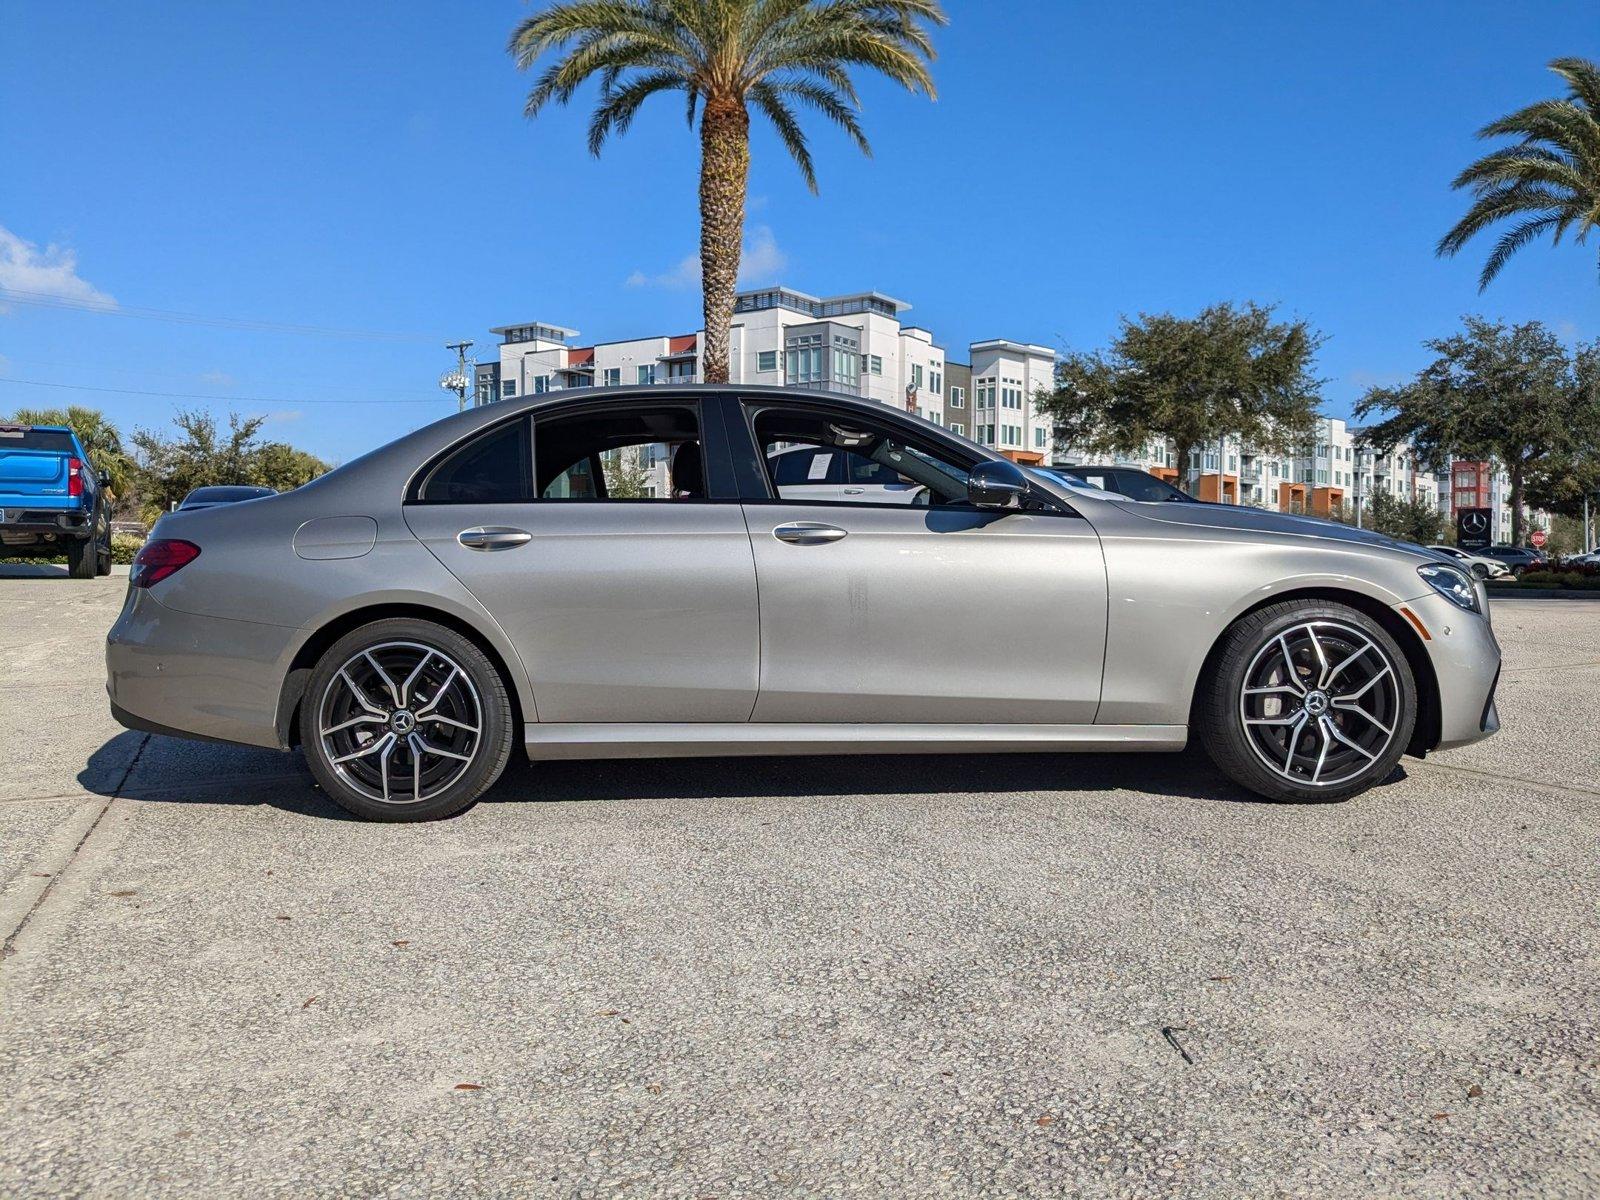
(617, 573)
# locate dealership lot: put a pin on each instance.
(1007, 976)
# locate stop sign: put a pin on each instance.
(1538, 539)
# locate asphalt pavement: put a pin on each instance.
(1001, 976)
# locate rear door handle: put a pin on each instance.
(808, 533)
(493, 537)
(854, 491)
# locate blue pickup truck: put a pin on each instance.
(51, 500)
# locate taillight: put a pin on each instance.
(160, 558)
(74, 477)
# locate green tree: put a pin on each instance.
(202, 455)
(625, 474)
(1404, 517)
(100, 438)
(726, 56)
(1510, 394)
(1548, 182)
(1229, 372)
(282, 466)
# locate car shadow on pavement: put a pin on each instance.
(177, 771)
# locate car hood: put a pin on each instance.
(1259, 520)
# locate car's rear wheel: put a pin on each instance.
(405, 720)
(1307, 701)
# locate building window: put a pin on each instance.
(958, 429)
(541, 384)
(877, 364)
(935, 380)
(508, 387)
(958, 397)
(986, 434)
(647, 373)
(916, 376)
(767, 360)
(612, 377)
(1038, 439)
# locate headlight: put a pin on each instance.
(1454, 584)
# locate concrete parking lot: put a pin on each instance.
(878, 977)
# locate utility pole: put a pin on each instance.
(458, 381)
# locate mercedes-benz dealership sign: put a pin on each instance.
(1474, 528)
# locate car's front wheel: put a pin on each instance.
(1307, 701)
(405, 720)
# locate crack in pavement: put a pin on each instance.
(1502, 777)
(8, 947)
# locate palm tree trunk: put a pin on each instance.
(724, 172)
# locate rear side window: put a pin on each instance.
(495, 467)
(57, 441)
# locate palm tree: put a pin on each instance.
(727, 56)
(1549, 182)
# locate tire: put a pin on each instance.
(82, 554)
(369, 753)
(102, 558)
(1330, 728)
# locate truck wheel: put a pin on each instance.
(81, 556)
(102, 558)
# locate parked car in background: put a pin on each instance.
(229, 493)
(1482, 566)
(52, 501)
(413, 616)
(1123, 481)
(1517, 558)
(835, 473)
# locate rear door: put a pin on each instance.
(612, 550)
(879, 611)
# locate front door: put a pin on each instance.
(929, 612)
(626, 584)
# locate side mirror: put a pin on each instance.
(998, 484)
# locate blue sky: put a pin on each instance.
(366, 168)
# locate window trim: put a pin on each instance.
(721, 485)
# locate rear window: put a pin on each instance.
(57, 441)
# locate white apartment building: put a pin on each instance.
(854, 343)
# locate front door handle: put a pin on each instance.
(808, 533)
(855, 491)
(493, 537)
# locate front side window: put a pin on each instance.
(876, 464)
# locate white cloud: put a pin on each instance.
(762, 258)
(50, 273)
(759, 261)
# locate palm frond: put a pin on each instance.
(1510, 242)
(765, 97)
(1548, 182)
(618, 106)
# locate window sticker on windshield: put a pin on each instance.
(819, 466)
(1098, 481)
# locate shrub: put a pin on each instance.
(124, 546)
